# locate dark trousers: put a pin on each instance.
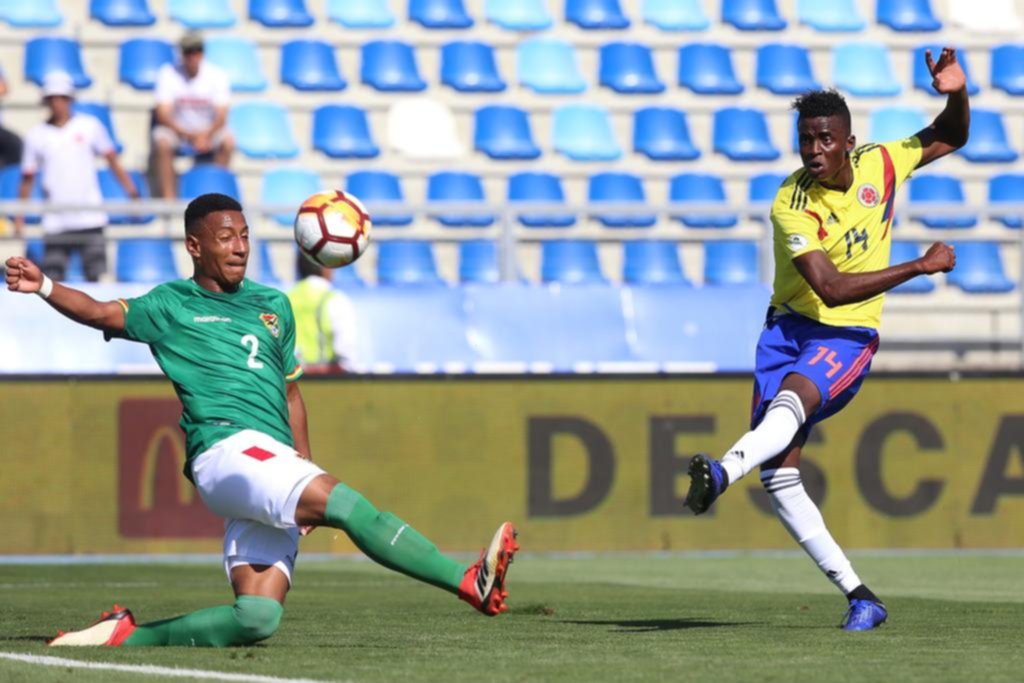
(89, 243)
(10, 148)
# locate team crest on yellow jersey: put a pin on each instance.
(270, 320)
(868, 196)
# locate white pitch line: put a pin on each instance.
(150, 670)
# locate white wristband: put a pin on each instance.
(46, 288)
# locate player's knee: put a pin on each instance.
(257, 617)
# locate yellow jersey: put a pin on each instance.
(853, 228)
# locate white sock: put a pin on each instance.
(803, 520)
(781, 422)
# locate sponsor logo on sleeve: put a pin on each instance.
(796, 242)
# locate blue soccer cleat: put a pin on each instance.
(864, 615)
(707, 482)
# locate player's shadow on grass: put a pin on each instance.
(647, 625)
(36, 639)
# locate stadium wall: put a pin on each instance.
(93, 466)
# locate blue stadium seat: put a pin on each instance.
(360, 13)
(785, 69)
(539, 188)
(652, 262)
(518, 15)
(478, 262)
(699, 188)
(1007, 188)
(707, 69)
(46, 54)
(663, 134)
(752, 15)
(763, 188)
(458, 188)
(145, 260)
(583, 132)
(469, 66)
(262, 130)
(904, 252)
(571, 262)
(595, 14)
(10, 179)
(31, 14)
(833, 15)
(620, 188)
(742, 135)
(310, 65)
(377, 189)
(550, 66)
(261, 265)
(1008, 68)
(895, 123)
(101, 112)
(239, 58)
(341, 131)
(923, 77)
(934, 188)
(346, 277)
(205, 178)
(390, 66)
(730, 263)
(444, 14)
(629, 68)
(140, 60)
(864, 69)
(280, 13)
(979, 268)
(113, 192)
(907, 15)
(988, 141)
(504, 133)
(406, 262)
(289, 186)
(196, 14)
(121, 12)
(676, 15)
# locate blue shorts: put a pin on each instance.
(836, 359)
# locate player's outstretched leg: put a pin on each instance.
(483, 584)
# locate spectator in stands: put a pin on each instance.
(191, 112)
(63, 149)
(325, 321)
(10, 143)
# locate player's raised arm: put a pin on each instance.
(25, 276)
(949, 131)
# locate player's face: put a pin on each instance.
(824, 143)
(220, 248)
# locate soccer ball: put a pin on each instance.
(332, 228)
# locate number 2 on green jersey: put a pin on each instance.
(251, 342)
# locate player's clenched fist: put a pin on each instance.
(23, 275)
(940, 258)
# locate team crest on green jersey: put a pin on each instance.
(270, 320)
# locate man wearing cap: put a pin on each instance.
(191, 112)
(62, 151)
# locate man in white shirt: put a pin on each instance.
(191, 116)
(63, 150)
(325, 322)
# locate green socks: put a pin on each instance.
(250, 620)
(389, 541)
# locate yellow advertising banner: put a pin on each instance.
(94, 466)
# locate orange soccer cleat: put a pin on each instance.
(112, 629)
(483, 584)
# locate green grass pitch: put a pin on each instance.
(741, 617)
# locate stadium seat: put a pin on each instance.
(503, 132)
(785, 69)
(376, 190)
(923, 77)
(907, 15)
(979, 268)
(121, 12)
(310, 65)
(341, 131)
(478, 262)
(1007, 188)
(518, 15)
(571, 262)
(113, 192)
(938, 189)
(699, 188)
(390, 66)
(239, 58)
(549, 66)
(676, 15)
(895, 123)
(539, 188)
(1008, 68)
(360, 14)
(595, 14)
(423, 128)
(101, 112)
(619, 188)
(583, 132)
(663, 134)
(31, 13)
(988, 140)
(290, 187)
(262, 130)
(904, 252)
(470, 67)
(280, 13)
(730, 263)
(346, 278)
(75, 272)
(140, 60)
(205, 178)
(763, 188)
(10, 179)
(458, 188)
(148, 260)
(652, 262)
(752, 15)
(261, 265)
(707, 70)
(443, 14)
(46, 54)
(628, 68)
(831, 16)
(406, 262)
(742, 135)
(864, 70)
(196, 14)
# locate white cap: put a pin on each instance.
(58, 83)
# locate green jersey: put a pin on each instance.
(228, 355)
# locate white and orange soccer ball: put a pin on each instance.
(332, 228)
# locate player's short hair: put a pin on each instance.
(818, 103)
(307, 267)
(205, 204)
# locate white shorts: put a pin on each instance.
(255, 482)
